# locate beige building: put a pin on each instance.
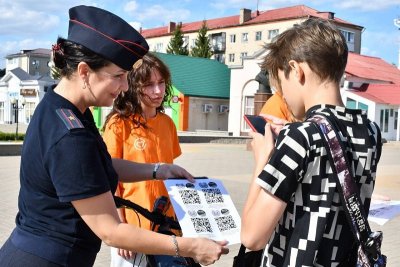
(35, 62)
(235, 37)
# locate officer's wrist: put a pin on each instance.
(155, 169)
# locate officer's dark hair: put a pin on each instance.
(67, 55)
(128, 103)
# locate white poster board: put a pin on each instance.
(381, 212)
(204, 209)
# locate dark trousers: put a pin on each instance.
(11, 256)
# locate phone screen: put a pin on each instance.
(256, 123)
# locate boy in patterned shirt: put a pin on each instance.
(293, 209)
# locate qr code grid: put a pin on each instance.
(190, 196)
(201, 225)
(225, 223)
(213, 195)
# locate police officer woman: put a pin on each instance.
(67, 177)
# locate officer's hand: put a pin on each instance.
(173, 171)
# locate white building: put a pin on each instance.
(22, 87)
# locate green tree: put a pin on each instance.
(202, 46)
(176, 44)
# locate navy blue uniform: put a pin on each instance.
(63, 159)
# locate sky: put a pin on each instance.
(31, 24)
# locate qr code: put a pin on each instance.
(201, 225)
(213, 195)
(225, 223)
(190, 196)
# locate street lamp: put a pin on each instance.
(16, 107)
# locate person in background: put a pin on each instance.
(67, 177)
(276, 107)
(138, 129)
(293, 209)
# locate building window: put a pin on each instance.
(193, 43)
(220, 58)
(272, 33)
(258, 36)
(384, 120)
(245, 37)
(29, 109)
(158, 47)
(242, 55)
(349, 37)
(233, 38)
(248, 109)
(231, 57)
(218, 42)
(351, 103)
(396, 115)
(362, 106)
(249, 105)
(1, 111)
(185, 40)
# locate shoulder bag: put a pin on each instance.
(368, 242)
(248, 259)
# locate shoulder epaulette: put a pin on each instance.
(69, 118)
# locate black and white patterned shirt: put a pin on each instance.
(313, 230)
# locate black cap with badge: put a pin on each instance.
(107, 35)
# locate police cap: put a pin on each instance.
(107, 35)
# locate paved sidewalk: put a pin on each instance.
(231, 163)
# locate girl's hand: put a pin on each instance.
(126, 254)
(207, 251)
(166, 171)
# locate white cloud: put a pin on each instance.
(14, 21)
(135, 24)
(371, 5)
(157, 15)
(131, 7)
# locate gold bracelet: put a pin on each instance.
(156, 167)
(175, 245)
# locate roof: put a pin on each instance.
(371, 68)
(21, 74)
(34, 52)
(209, 78)
(280, 14)
(381, 93)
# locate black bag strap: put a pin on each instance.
(348, 190)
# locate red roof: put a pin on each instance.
(381, 93)
(293, 12)
(279, 14)
(372, 68)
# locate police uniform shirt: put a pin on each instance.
(63, 159)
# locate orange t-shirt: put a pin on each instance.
(276, 106)
(158, 143)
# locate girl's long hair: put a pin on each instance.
(127, 104)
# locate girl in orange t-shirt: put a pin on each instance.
(137, 129)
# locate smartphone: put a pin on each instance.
(256, 123)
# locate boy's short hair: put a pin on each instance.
(316, 42)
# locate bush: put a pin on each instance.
(11, 137)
